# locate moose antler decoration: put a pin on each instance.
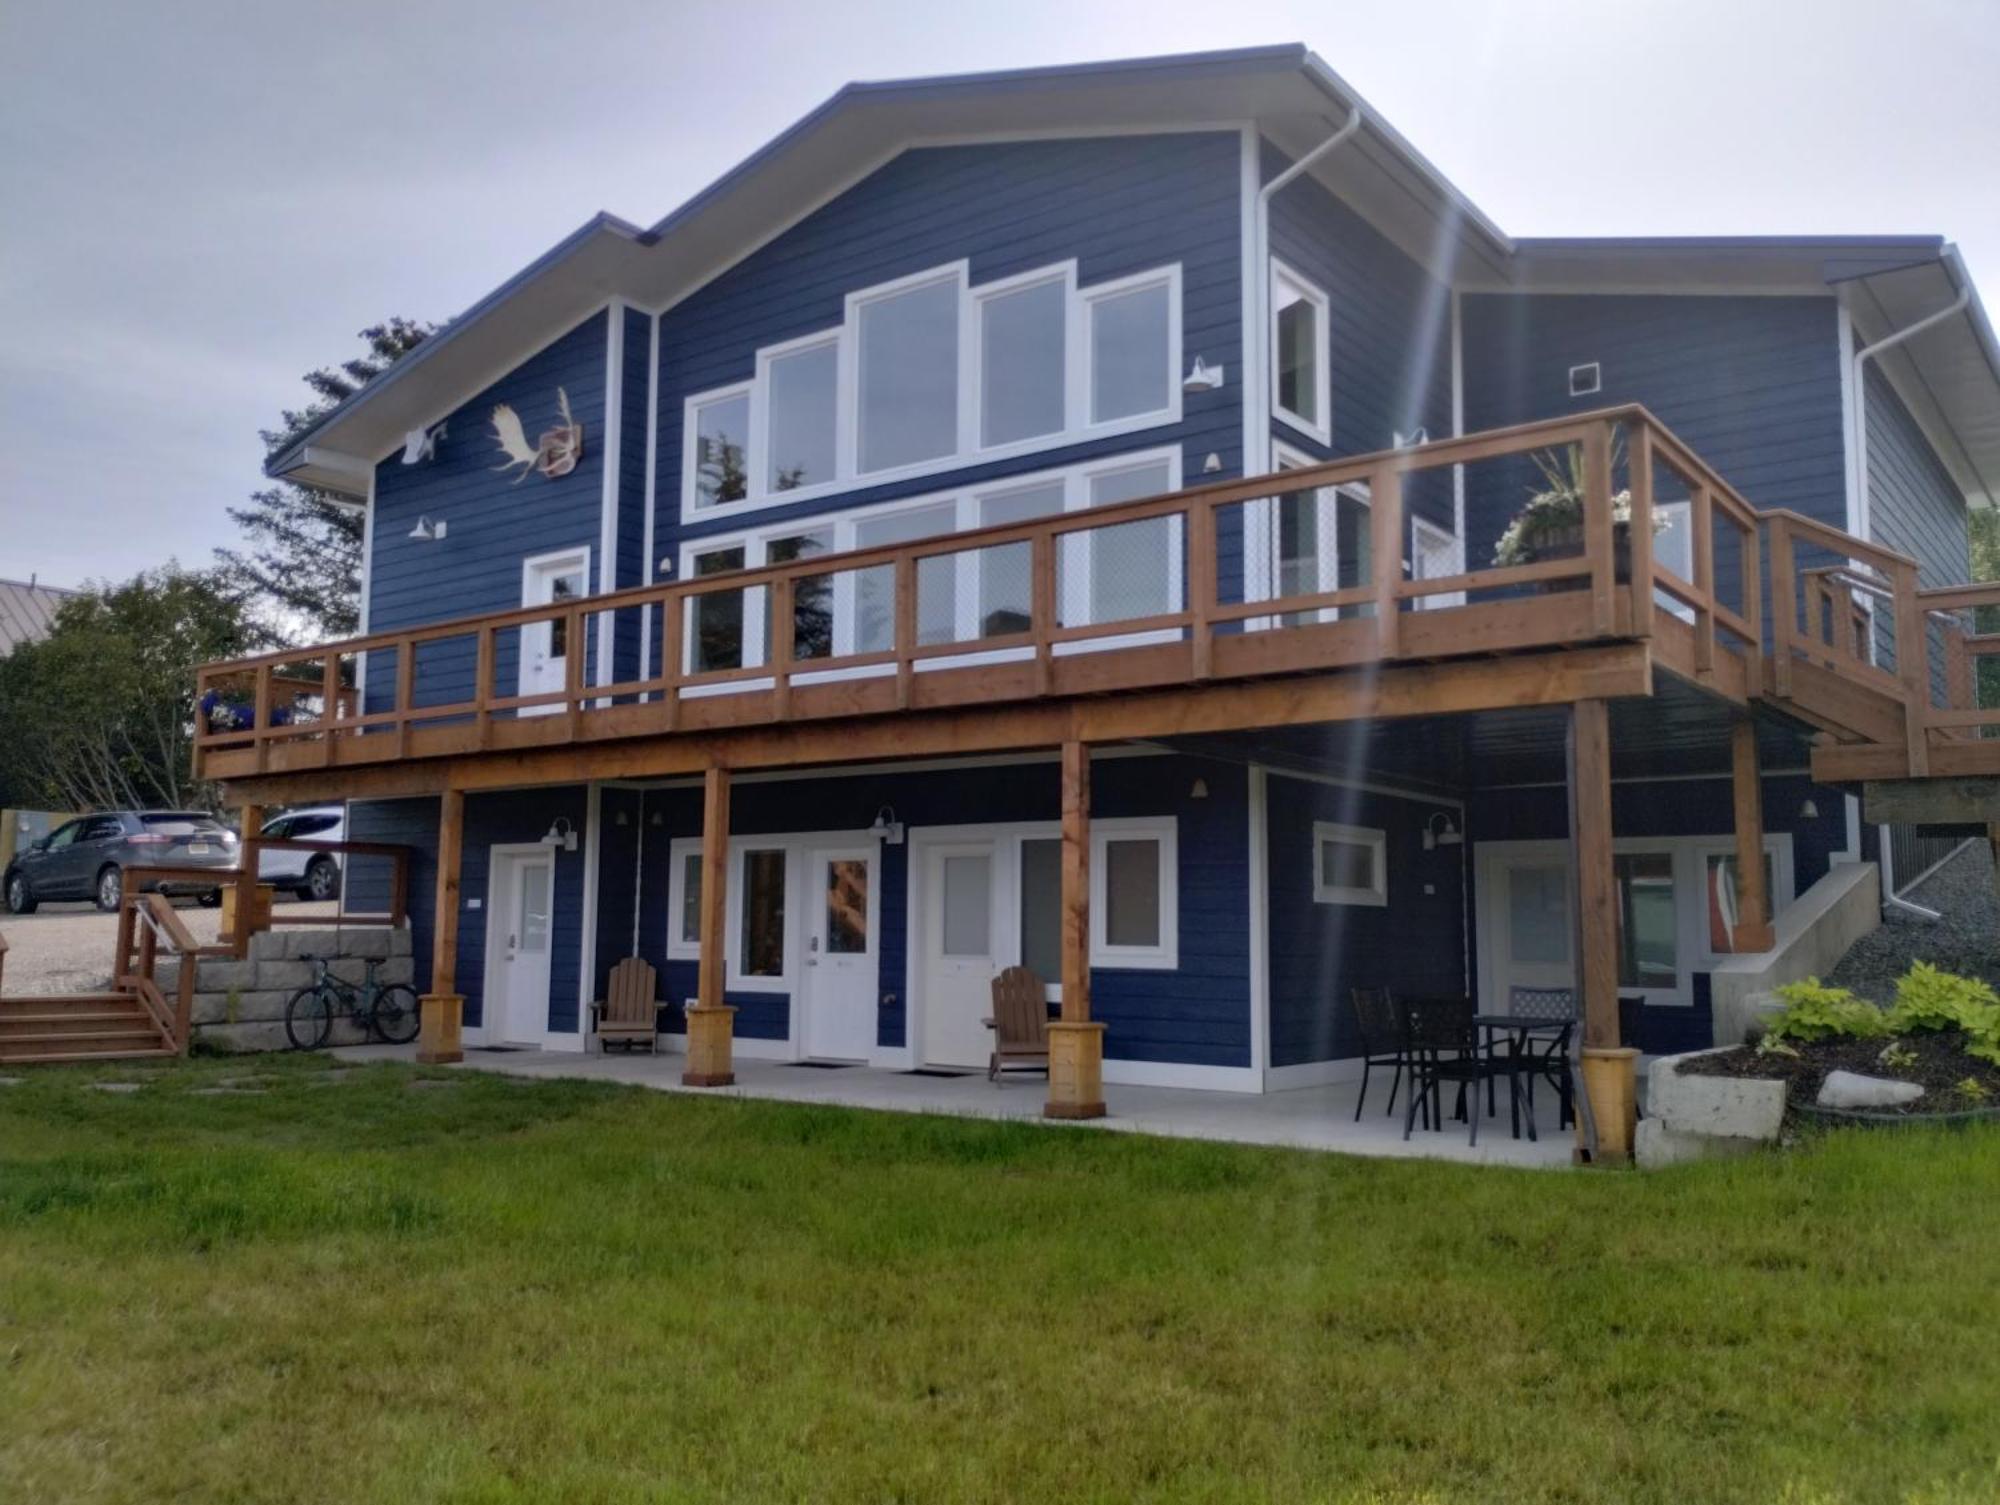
(554, 454)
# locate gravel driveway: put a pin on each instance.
(66, 948)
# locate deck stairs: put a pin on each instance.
(132, 1020)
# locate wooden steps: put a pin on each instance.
(79, 1027)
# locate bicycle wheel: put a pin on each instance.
(397, 1015)
(308, 1018)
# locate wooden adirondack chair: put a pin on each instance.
(1020, 1024)
(630, 1015)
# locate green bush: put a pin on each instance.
(1814, 1011)
(1929, 999)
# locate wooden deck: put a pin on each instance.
(1594, 626)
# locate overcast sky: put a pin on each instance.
(200, 201)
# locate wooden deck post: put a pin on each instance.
(711, 1021)
(239, 899)
(1610, 1069)
(1753, 900)
(444, 1006)
(1076, 1042)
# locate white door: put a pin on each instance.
(517, 987)
(545, 646)
(959, 958)
(1529, 922)
(841, 961)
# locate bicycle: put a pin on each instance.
(389, 1011)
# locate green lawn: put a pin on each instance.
(354, 1287)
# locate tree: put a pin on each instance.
(100, 714)
(301, 558)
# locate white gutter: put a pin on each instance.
(1890, 898)
(1864, 515)
(1257, 394)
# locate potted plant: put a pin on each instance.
(1550, 526)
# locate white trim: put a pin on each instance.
(1458, 423)
(1849, 441)
(1373, 895)
(367, 592)
(967, 451)
(614, 435)
(1260, 926)
(593, 838)
(1325, 1073)
(646, 565)
(1164, 954)
(1122, 1073)
(1255, 429)
(1596, 370)
(1319, 423)
(638, 865)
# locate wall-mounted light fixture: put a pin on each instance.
(1447, 836)
(1809, 810)
(1199, 791)
(666, 569)
(561, 834)
(887, 828)
(427, 531)
(1416, 436)
(1202, 377)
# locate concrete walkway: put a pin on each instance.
(1313, 1118)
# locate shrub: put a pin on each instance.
(1814, 1011)
(1929, 1000)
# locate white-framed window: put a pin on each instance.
(1315, 539)
(1350, 864)
(927, 373)
(1123, 572)
(684, 898)
(1435, 555)
(1300, 359)
(1135, 895)
(760, 943)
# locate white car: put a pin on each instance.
(309, 875)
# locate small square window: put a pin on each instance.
(1585, 380)
(1350, 865)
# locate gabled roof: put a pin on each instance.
(1295, 100)
(27, 612)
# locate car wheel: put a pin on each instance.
(322, 879)
(20, 898)
(110, 888)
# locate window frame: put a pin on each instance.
(1163, 955)
(1318, 424)
(968, 451)
(679, 849)
(1376, 840)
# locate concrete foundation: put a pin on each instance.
(240, 1005)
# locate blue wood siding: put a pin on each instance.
(494, 522)
(634, 404)
(1198, 1014)
(1685, 807)
(1320, 953)
(1914, 507)
(619, 820)
(511, 816)
(1389, 331)
(1117, 205)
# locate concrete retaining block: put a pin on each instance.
(1751, 1108)
(1654, 1144)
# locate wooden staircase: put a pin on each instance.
(132, 1021)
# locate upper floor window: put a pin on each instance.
(929, 372)
(1299, 353)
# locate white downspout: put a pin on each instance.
(1257, 391)
(1864, 517)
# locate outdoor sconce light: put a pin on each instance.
(420, 445)
(1450, 836)
(666, 569)
(1202, 378)
(1199, 791)
(427, 531)
(1809, 810)
(562, 834)
(887, 827)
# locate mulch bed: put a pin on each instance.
(1941, 1064)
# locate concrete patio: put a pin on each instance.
(1310, 1118)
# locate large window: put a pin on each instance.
(761, 948)
(1134, 567)
(1350, 864)
(716, 641)
(1648, 950)
(930, 372)
(1299, 353)
(1041, 907)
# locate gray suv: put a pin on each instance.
(85, 858)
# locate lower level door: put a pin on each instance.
(959, 959)
(517, 994)
(842, 966)
(1529, 922)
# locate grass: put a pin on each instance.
(353, 1288)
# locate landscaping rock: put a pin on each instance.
(1847, 1089)
(1749, 1108)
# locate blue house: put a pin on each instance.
(1050, 518)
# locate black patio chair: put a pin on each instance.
(1548, 1054)
(1383, 1042)
(1444, 1046)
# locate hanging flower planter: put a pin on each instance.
(1551, 525)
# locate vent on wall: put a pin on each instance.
(1584, 380)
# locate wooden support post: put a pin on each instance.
(239, 909)
(1913, 667)
(1202, 531)
(1386, 539)
(1639, 453)
(1076, 1043)
(1610, 1069)
(1753, 900)
(444, 1006)
(1599, 537)
(1784, 607)
(711, 1021)
(1701, 517)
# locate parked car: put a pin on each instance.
(85, 858)
(309, 875)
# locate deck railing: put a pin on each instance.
(1215, 582)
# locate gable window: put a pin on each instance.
(1023, 361)
(802, 387)
(1350, 864)
(718, 439)
(1299, 353)
(907, 387)
(1132, 337)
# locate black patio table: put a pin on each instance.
(1552, 1062)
